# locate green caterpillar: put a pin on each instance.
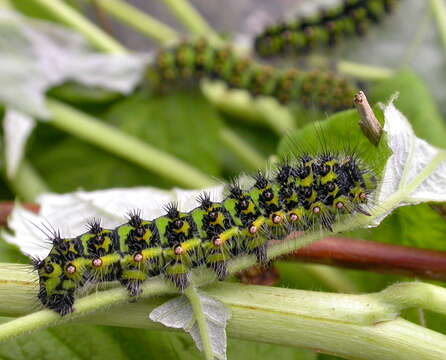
(352, 17)
(193, 60)
(310, 192)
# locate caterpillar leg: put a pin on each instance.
(132, 280)
(220, 269)
(178, 275)
(61, 302)
(261, 254)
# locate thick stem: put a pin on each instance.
(72, 18)
(316, 320)
(194, 299)
(139, 20)
(100, 134)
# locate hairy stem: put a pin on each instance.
(141, 21)
(105, 136)
(318, 320)
(72, 18)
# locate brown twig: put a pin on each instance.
(6, 209)
(344, 252)
(369, 124)
(375, 256)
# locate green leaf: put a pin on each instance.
(415, 102)
(339, 132)
(74, 342)
(184, 124)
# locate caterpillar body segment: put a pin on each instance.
(310, 193)
(324, 29)
(190, 61)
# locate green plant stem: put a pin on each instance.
(325, 321)
(240, 104)
(111, 139)
(359, 71)
(365, 72)
(72, 18)
(192, 20)
(438, 9)
(332, 277)
(27, 183)
(244, 152)
(192, 294)
(139, 20)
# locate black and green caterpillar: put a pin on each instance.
(190, 61)
(326, 28)
(312, 192)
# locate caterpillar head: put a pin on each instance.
(55, 291)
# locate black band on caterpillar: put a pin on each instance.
(193, 60)
(351, 17)
(309, 193)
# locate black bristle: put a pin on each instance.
(261, 180)
(134, 217)
(172, 211)
(235, 190)
(94, 226)
(204, 199)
